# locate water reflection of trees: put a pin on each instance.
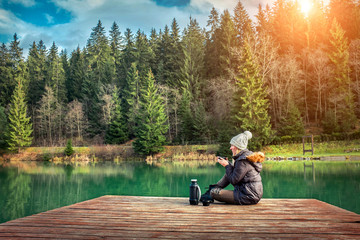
(17, 194)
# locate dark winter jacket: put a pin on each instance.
(246, 179)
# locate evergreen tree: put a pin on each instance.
(341, 95)
(346, 13)
(16, 52)
(66, 66)
(176, 52)
(76, 75)
(91, 102)
(263, 20)
(116, 132)
(128, 57)
(131, 98)
(55, 74)
(242, 23)
(37, 72)
(201, 127)
(187, 129)
(143, 54)
(192, 69)
(250, 103)
(116, 45)
(20, 128)
(151, 130)
(100, 60)
(7, 83)
(289, 27)
(292, 124)
(163, 54)
(330, 124)
(69, 149)
(227, 42)
(212, 48)
(4, 125)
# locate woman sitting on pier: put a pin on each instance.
(244, 175)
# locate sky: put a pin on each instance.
(69, 23)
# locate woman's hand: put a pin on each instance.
(223, 162)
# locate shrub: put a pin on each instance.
(69, 149)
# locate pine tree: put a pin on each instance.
(116, 44)
(37, 73)
(292, 124)
(152, 127)
(143, 54)
(212, 48)
(341, 96)
(250, 103)
(116, 132)
(192, 69)
(131, 98)
(102, 64)
(128, 57)
(76, 75)
(55, 74)
(227, 42)
(20, 128)
(242, 23)
(69, 149)
(3, 129)
(187, 129)
(7, 83)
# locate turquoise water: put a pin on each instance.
(29, 188)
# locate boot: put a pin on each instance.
(206, 198)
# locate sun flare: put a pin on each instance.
(305, 6)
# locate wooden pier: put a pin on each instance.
(132, 217)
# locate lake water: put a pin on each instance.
(27, 188)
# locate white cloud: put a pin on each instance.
(49, 18)
(25, 3)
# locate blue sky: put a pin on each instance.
(69, 22)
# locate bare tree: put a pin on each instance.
(354, 62)
(171, 98)
(47, 114)
(221, 91)
(320, 72)
(75, 120)
(285, 82)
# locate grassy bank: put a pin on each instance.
(332, 148)
(177, 153)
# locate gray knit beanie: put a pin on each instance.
(241, 141)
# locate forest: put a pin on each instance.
(282, 75)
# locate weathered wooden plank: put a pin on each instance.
(159, 217)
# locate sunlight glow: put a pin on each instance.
(306, 6)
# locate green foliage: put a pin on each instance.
(116, 132)
(76, 75)
(20, 128)
(151, 127)
(4, 125)
(330, 124)
(37, 70)
(193, 61)
(69, 149)
(7, 83)
(342, 97)
(292, 124)
(250, 103)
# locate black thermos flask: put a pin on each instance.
(194, 192)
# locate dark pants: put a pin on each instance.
(222, 195)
